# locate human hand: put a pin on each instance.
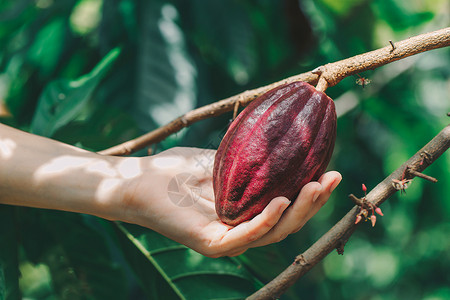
(173, 195)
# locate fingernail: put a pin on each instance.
(286, 204)
(334, 185)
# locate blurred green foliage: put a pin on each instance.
(95, 73)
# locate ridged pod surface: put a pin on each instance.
(280, 142)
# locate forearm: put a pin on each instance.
(39, 172)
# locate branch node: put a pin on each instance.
(365, 208)
(401, 185)
(318, 70)
(340, 247)
(184, 121)
(426, 158)
(356, 200)
(300, 260)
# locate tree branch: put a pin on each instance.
(340, 233)
(329, 74)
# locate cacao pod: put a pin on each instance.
(278, 143)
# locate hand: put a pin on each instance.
(173, 195)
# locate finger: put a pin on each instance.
(329, 182)
(294, 217)
(250, 231)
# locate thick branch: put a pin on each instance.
(340, 232)
(330, 75)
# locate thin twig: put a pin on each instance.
(345, 227)
(421, 175)
(330, 75)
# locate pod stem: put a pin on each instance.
(322, 84)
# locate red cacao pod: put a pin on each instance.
(281, 141)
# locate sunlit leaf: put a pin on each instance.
(35, 281)
(166, 86)
(85, 16)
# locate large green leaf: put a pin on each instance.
(166, 76)
(76, 254)
(168, 270)
(9, 269)
(64, 100)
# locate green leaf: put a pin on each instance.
(9, 270)
(62, 101)
(266, 262)
(169, 270)
(76, 254)
(48, 45)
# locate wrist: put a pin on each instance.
(114, 196)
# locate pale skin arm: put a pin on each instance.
(39, 172)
